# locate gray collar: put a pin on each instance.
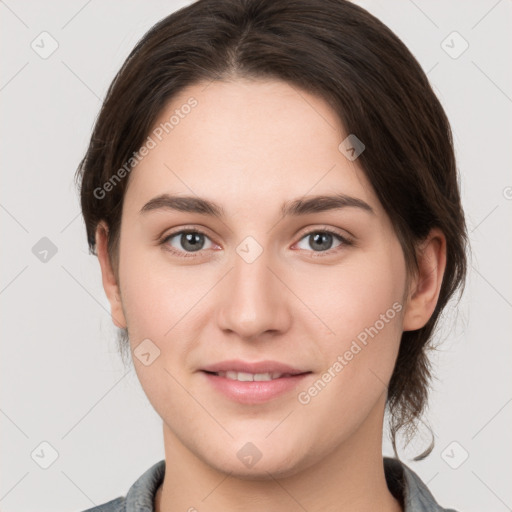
(409, 489)
(403, 483)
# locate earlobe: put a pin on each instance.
(426, 285)
(108, 277)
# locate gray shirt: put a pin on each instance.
(403, 483)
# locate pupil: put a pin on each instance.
(193, 245)
(324, 239)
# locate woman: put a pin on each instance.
(271, 191)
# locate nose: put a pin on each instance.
(255, 302)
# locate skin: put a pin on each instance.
(250, 146)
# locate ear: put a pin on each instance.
(425, 286)
(108, 277)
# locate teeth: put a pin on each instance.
(248, 377)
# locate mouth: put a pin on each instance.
(253, 383)
(254, 377)
(259, 369)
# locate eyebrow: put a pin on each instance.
(297, 207)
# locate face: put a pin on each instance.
(319, 289)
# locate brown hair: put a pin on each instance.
(333, 49)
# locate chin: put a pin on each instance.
(256, 460)
(263, 470)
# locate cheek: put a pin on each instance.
(160, 301)
(154, 291)
(351, 297)
(361, 304)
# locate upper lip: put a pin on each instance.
(236, 365)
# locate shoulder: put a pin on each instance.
(405, 484)
(141, 495)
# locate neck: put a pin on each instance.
(350, 478)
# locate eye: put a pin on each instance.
(321, 241)
(186, 241)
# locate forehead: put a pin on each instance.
(247, 142)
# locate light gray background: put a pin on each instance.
(61, 379)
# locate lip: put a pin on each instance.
(237, 365)
(254, 392)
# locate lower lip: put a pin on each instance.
(253, 392)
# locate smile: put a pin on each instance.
(247, 377)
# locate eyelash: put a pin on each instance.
(316, 254)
